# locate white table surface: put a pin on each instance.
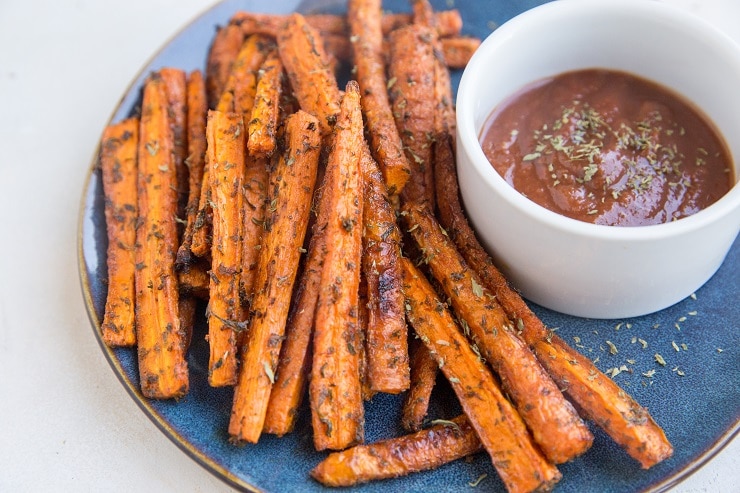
(66, 423)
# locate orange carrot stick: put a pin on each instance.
(292, 190)
(303, 56)
(411, 88)
(517, 459)
(238, 93)
(161, 342)
(458, 50)
(225, 134)
(365, 20)
(386, 341)
(335, 391)
(424, 450)
(554, 423)
(175, 81)
(424, 369)
(221, 55)
(262, 125)
(119, 169)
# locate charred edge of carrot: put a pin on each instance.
(195, 279)
(646, 442)
(386, 337)
(221, 55)
(197, 108)
(365, 22)
(335, 390)
(424, 370)
(362, 318)
(499, 427)
(304, 58)
(421, 451)
(262, 125)
(554, 423)
(291, 193)
(161, 343)
(294, 364)
(119, 168)
(411, 93)
(226, 150)
(448, 22)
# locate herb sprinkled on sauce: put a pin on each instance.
(608, 148)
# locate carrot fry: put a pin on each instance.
(200, 243)
(554, 423)
(161, 342)
(504, 435)
(303, 56)
(262, 125)
(256, 179)
(195, 162)
(335, 391)
(449, 23)
(295, 356)
(421, 451)
(292, 190)
(175, 81)
(226, 147)
(386, 341)
(239, 91)
(411, 82)
(119, 170)
(365, 21)
(221, 55)
(458, 50)
(424, 369)
(597, 396)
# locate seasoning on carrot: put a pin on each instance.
(175, 81)
(424, 369)
(291, 192)
(118, 165)
(262, 125)
(335, 391)
(421, 451)
(225, 134)
(161, 342)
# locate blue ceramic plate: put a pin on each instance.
(694, 397)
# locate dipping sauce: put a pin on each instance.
(607, 147)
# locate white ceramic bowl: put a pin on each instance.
(571, 266)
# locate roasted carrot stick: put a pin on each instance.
(449, 22)
(386, 338)
(221, 55)
(458, 50)
(200, 244)
(597, 396)
(295, 356)
(365, 20)
(225, 134)
(292, 190)
(175, 81)
(256, 179)
(335, 391)
(424, 450)
(161, 342)
(238, 93)
(554, 423)
(517, 459)
(119, 169)
(303, 56)
(424, 369)
(197, 108)
(262, 126)
(362, 316)
(411, 82)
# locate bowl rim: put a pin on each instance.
(468, 136)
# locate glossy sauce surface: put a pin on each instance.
(608, 148)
